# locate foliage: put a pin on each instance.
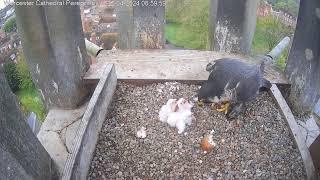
(31, 102)
(108, 40)
(288, 6)
(291, 6)
(10, 24)
(273, 30)
(24, 74)
(269, 32)
(28, 95)
(11, 74)
(174, 10)
(281, 61)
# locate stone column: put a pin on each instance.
(303, 65)
(144, 21)
(21, 154)
(317, 109)
(125, 25)
(232, 25)
(54, 48)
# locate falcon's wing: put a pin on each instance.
(248, 87)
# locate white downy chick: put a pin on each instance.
(174, 116)
(189, 117)
(166, 109)
(182, 116)
(185, 118)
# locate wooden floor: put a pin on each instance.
(181, 65)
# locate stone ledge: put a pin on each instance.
(317, 111)
(167, 65)
(57, 130)
(79, 158)
(309, 130)
(295, 131)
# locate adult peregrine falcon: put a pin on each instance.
(232, 83)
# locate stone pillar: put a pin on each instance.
(303, 65)
(21, 154)
(144, 22)
(125, 25)
(317, 109)
(54, 48)
(232, 25)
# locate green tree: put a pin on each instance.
(269, 32)
(24, 74)
(108, 40)
(11, 74)
(280, 5)
(10, 24)
(291, 6)
(28, 94)
(274, 30)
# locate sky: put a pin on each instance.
(2, 3)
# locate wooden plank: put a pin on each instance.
(180, 65)
(78, 162)
(304, 151)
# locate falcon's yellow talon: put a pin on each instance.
(200, 103)
(224, 108)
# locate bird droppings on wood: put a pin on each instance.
(257, 145)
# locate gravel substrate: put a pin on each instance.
(257, 146)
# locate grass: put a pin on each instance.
(281, 61)
(180, 36)
(189, 28)
(31, 102)
(259, 44)
(189, 23)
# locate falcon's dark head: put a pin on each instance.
(206, 91)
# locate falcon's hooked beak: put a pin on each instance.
(195, 100)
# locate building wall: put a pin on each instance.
(285, 18)
(265, 9)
